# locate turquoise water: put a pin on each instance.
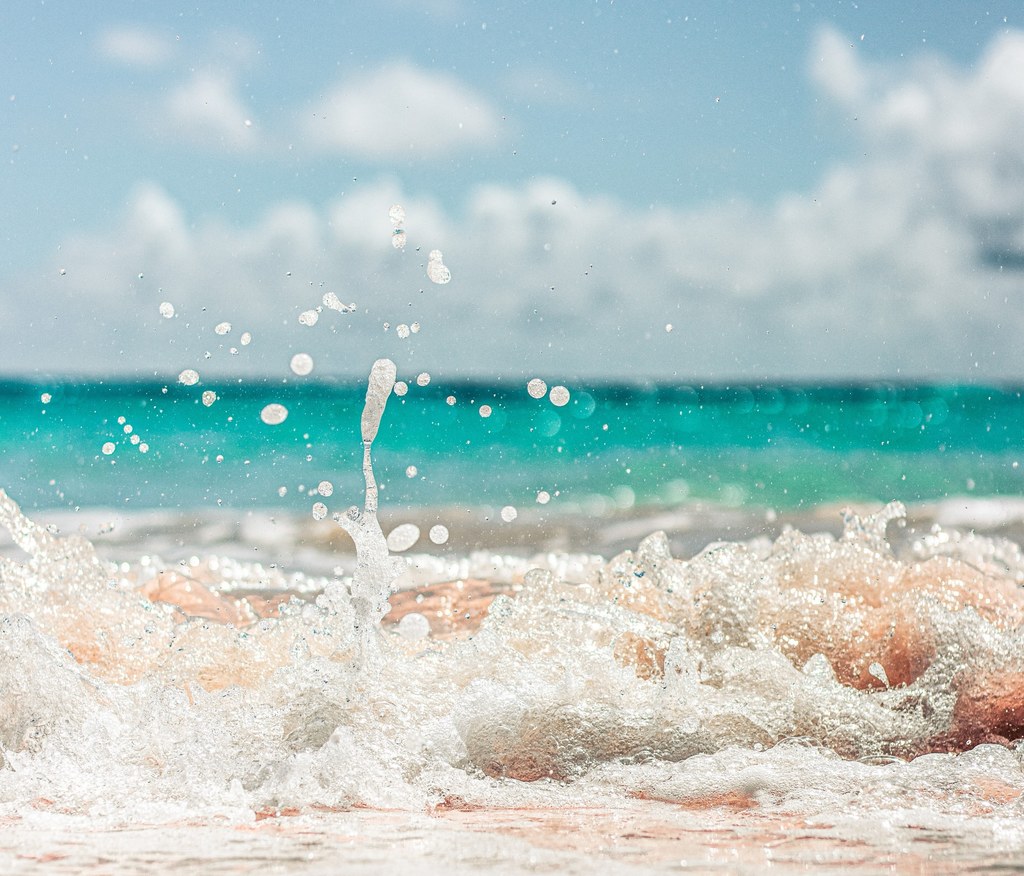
(783, 446)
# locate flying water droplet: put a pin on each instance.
(422, 379)
(543, 497)
(302, 364)
(209, 397)
(46, 398)
(188, 377)
(108, 448)
(166, 310)
(319, 510)
(414, 626)
(559, 396)
(309, 317)
(333, 302)
(222, 328)
(274, 414)
(403, 537)
(485, 411)
(438, 533)
(397, 214)
(245, 339)
(450, 401)
(411, 471)
(325, 488)
(509, 513)
(398, 239)
(401, 388)
(537, 388)
(436, 270)
(402, 331)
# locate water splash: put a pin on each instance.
(376, 569)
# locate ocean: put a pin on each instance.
(638, 628)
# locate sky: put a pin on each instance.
(679, 191)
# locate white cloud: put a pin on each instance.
(134, 46)
(401, 110)
(903, 262)
(207, 110)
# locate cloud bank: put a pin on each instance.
(907, 261)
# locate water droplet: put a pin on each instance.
(319, 510)
(166, 309)
(438, 533)
(415, 328)
(537, 388)
(302, 364)
(485, 411)
(509, 513)
(325, 488)
(422, 379)
(397, 214)
(282, 491)
(274, 414)
(135, 439)
(414, 626)
(143, 447)
(401, 387)
(403, 537)
(411, 471)
(121, 421)
(46, 398)
(668, 326)
(188, 377)
(559, 396)
(128, 429)
(108, 448)
(209, 397)
(222, 328)
(63, 272)
(450, 401)
(436, 270)
(335, 303)
(245, 339)
(309, 317)
(402, 331)
(398, 239)
(543, 497)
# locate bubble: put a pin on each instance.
(438, 533)
(537, 388)
(245, 339)
(282, 491)
(402, 331)
(398, 239)
(411, 471)
(414, 626)
(559, 396)
(46, 398)
(188, 377)
(302, 364)
(509, 513)
(397, 214)
(309, 317)
(422, 379)
(325, 488)
(143, 447)
(222, 328)
(543, 497)
(108, 448)
(166, 309)
(403, 537)
(319, 510)
(209, 397)
(436, 270)
(274, 414)
(485, 411)
(401, 387)
(450, 401)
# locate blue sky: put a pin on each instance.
(799, 189)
